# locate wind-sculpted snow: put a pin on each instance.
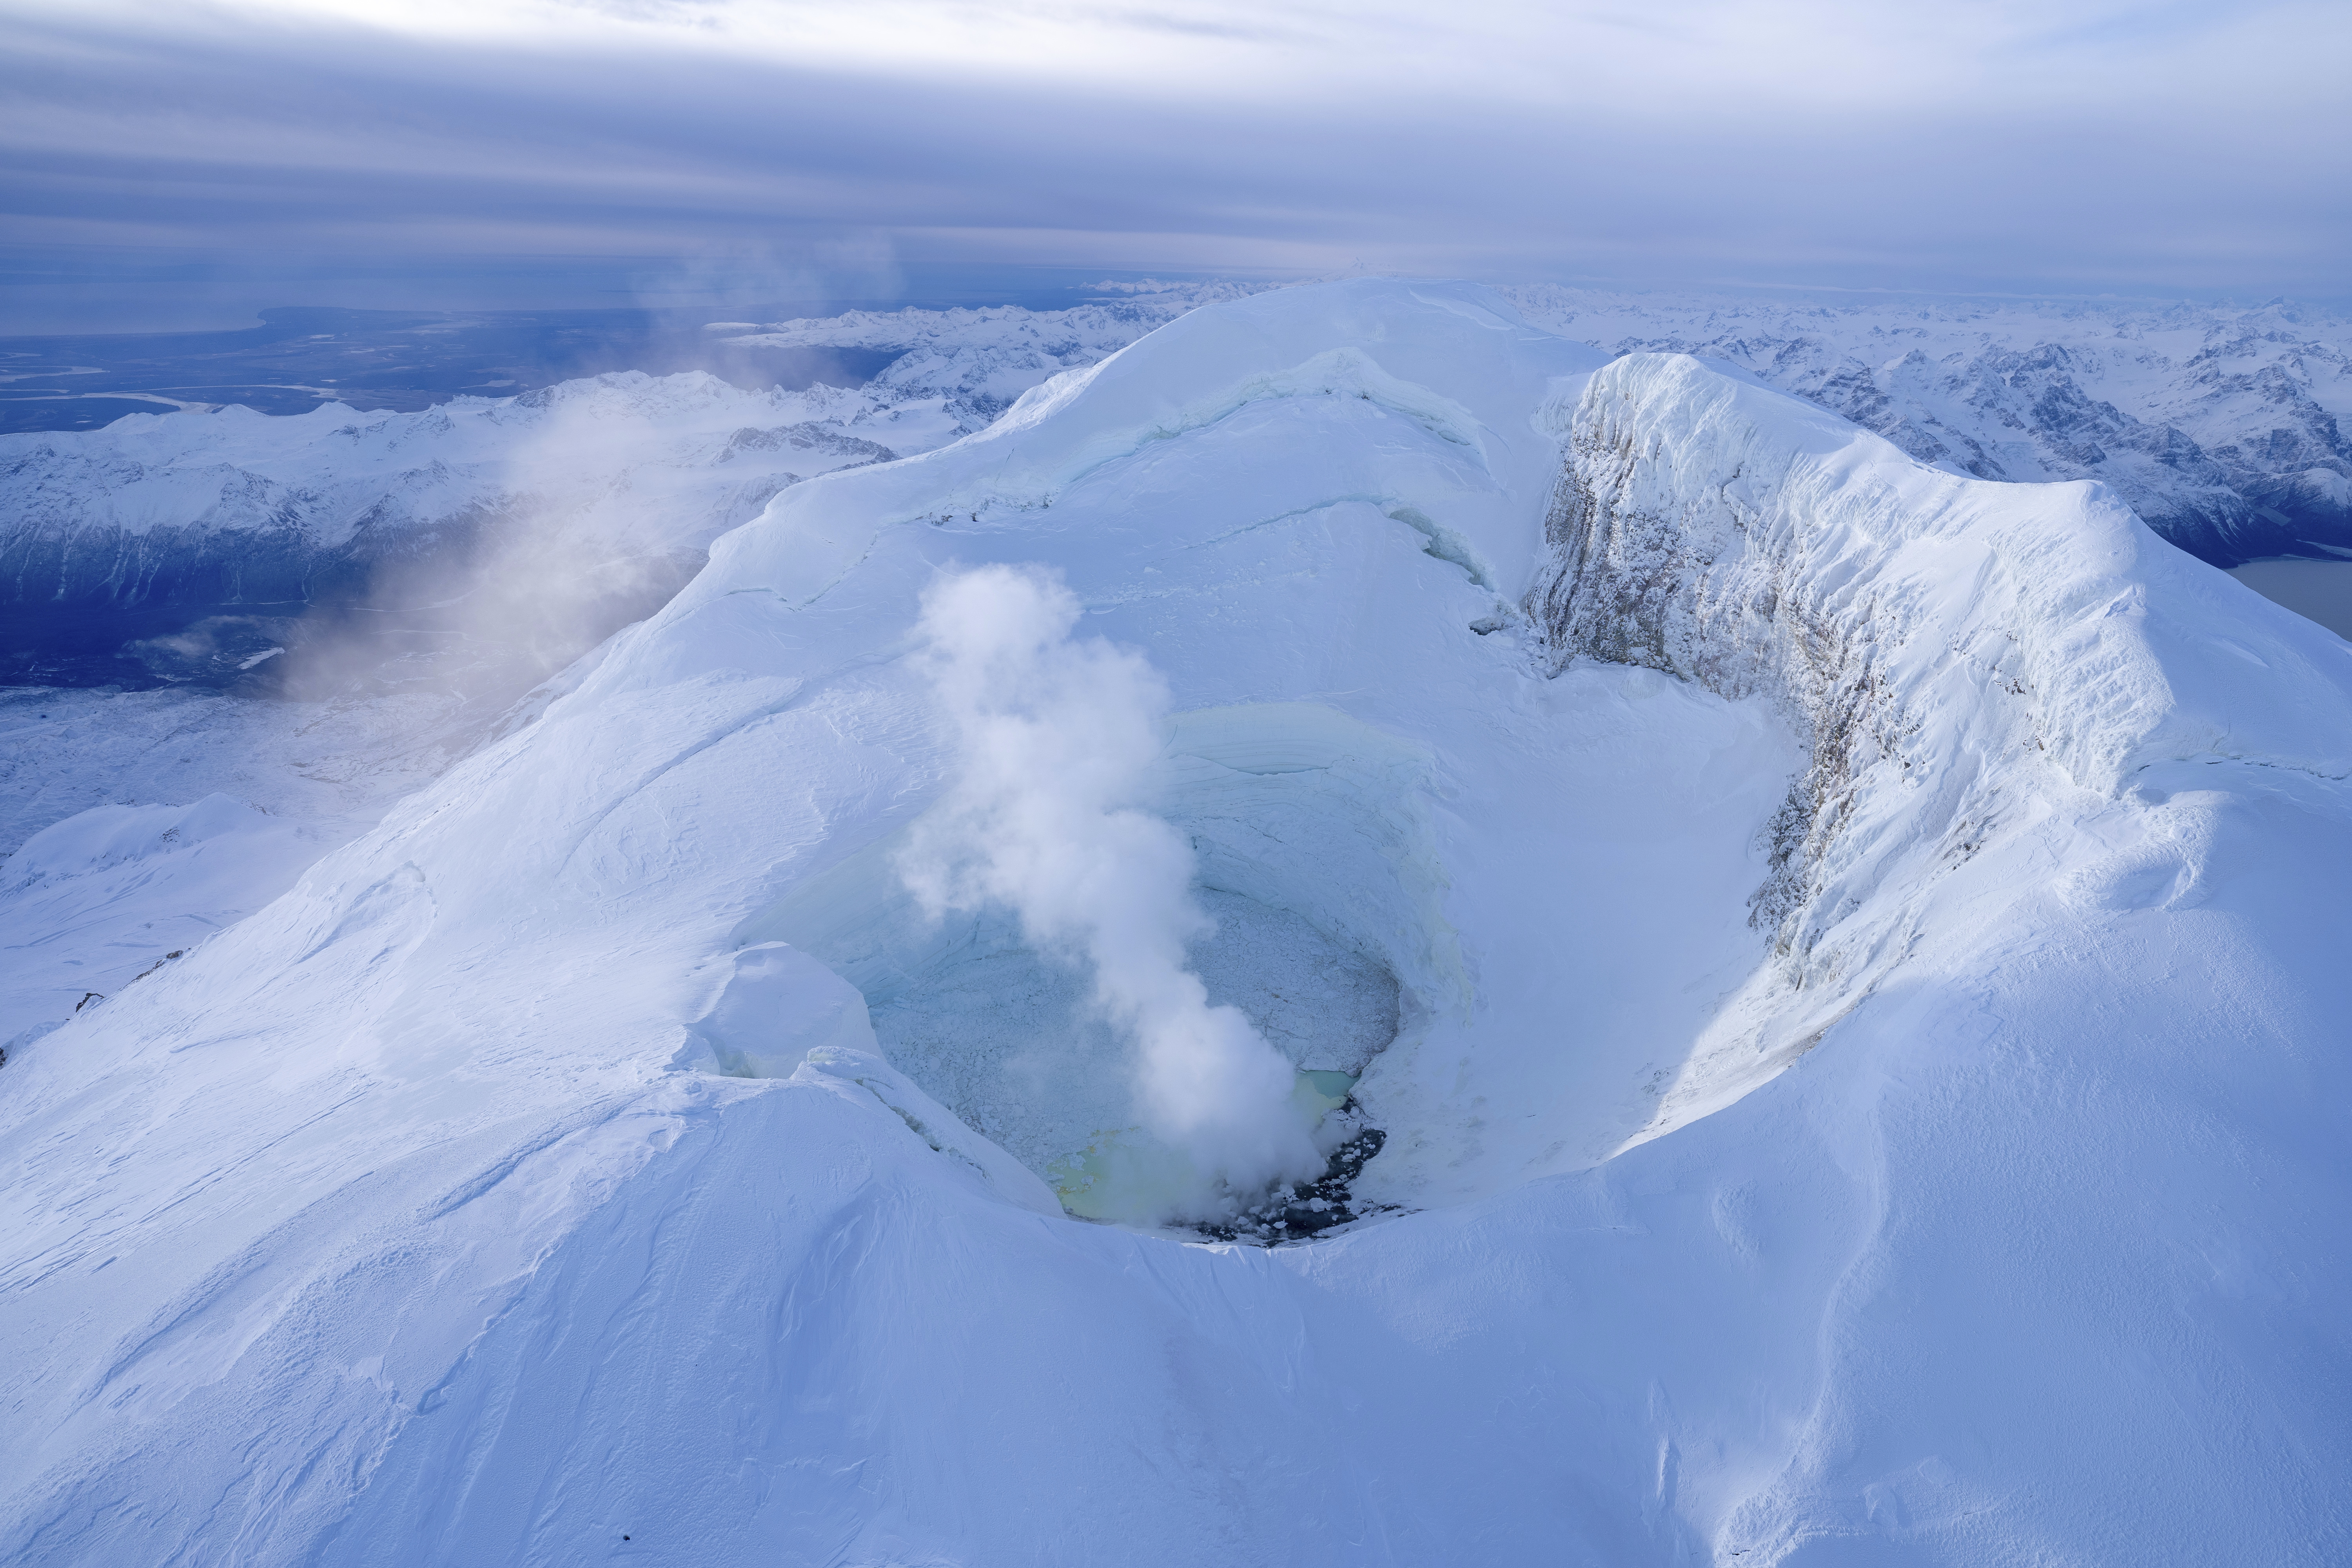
(313, 777)
(1860, 947)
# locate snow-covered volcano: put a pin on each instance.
(1843, 956)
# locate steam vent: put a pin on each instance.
(1357, 933)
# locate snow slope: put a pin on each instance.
(1656, 733)
(979, 362)
(305, 778)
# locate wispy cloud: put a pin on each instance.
(2074, 143)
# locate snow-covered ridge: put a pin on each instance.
(419, 1218)
(1939, 643)
(2224, 426)
(981, 360)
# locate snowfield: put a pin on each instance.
(1867, 1080)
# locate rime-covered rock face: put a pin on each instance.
(1941, 644)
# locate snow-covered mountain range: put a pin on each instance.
(247, 520)
(2221, 427)
(1838, 957)
(178, 547)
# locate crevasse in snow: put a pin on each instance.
(1652, 733)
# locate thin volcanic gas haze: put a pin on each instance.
(548, 545)
(1056, 736)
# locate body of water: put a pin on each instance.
(2318, 590)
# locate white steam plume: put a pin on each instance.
(1057, 738)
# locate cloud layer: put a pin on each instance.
(2070, 145)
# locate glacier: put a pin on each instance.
(1860, 950)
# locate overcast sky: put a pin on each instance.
(476, 151)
